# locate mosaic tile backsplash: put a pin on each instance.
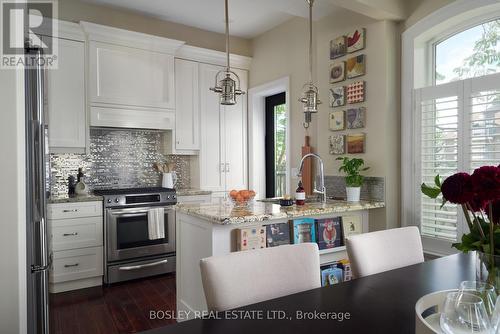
(372, 189)
(118, 159)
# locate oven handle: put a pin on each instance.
(144, 265)
(131, 212)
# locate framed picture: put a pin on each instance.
(356, 143)
(337, 72)
(337, 122)
(356, 92)
(337, 144)
(355, 66)
(337, 96)
(351, 225)
(356, 40)
(329, 232)
(355, 118)
(331, 276)
(338, 47)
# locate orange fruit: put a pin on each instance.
(233, 193)
(245, 194)
(239, 198)
(252, 193)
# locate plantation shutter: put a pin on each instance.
(457, 128)
(438, 109)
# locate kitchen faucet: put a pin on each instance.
(322, 189)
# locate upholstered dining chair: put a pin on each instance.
(247, 277)
(375, 252)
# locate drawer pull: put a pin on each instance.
(70, 210)
(70, 265)
(144, 265)
(70, 234)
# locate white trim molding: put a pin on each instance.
(111, 35)
(414, 41)
(213, 57)
(257, 130)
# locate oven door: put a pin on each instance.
(127, 234)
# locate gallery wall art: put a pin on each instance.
(337, 122)
(337, 144)
(337, 72)
(355, 118)
(356, 143)
(356, 40)
(338, 47)
(355, 66)
(355, 92)
(337, 96)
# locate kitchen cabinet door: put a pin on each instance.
(187, 105)
(130, 77)
(211, 159)
(66, 100)
(236, 139)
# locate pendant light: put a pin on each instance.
(310, 91)
(227, 87)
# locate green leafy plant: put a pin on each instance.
(352, 168)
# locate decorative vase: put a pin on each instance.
(353, 194)
(488, 269)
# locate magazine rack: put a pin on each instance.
(428, 310)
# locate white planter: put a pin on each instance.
(353, 194)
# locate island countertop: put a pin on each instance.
(224, 213)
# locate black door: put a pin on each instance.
(276, 124)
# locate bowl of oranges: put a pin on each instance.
(242, 198)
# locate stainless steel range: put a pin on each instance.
(139, 232)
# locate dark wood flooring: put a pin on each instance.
(119, 308)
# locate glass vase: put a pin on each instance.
(488, 269)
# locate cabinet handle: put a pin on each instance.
(70, 234)
(222, 167)
(227, 168)
(71, 265)
(70, 210)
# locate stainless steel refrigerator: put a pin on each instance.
(38, 256)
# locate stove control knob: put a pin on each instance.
(109, 200)
(168, 196)
(117, 200)
(173, 196)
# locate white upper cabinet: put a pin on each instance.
(187, 105)
(66, 99)
(223, 153)
(131, 77)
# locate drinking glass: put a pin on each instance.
(486, 291)
(495, 318)
(464, 313)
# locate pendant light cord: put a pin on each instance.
(226, 10)
(310, 2)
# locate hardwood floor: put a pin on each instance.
(119, 308)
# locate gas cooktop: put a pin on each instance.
(125, 197)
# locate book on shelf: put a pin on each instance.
(331, 276)
(351, 226)
(304, 230)
(250, 238)
(346, 267)
(278, 234)
(329, 233)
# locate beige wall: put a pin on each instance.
(423, 8)
(283, 51)
(75, 11)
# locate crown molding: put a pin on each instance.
(213, 57)
(111, 35)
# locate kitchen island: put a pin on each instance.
(210, 229)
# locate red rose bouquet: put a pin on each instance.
(479, 196)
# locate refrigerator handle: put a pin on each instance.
(45, 258)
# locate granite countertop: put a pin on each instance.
(223, 213)
(73, 199)
(192, 192)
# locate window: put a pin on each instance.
(458, 130)
(276, 123)
(468, 54)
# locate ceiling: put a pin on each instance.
(247, 18)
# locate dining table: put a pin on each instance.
(380, 303)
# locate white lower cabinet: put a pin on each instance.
(76, 242)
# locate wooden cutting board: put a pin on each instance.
(307, 181)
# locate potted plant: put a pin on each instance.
(354, 180)
(478, 195)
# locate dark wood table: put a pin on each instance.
(382, 303)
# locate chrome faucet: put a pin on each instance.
(321, 189)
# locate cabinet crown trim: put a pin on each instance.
(111, 35)
(214, 57)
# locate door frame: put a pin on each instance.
(257, 130)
